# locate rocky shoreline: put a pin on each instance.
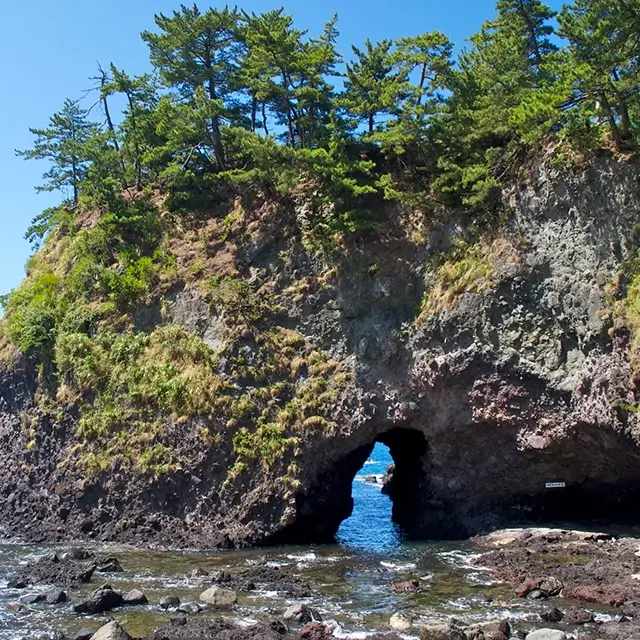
(587, 586)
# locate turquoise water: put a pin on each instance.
(370, 527)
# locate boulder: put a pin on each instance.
(219, 598)
(302, 614)
(441, 631)
(33, 598)
(401, 621)
(134, 597)
(547, 634)
(537, 588)
(490, 630)
(111, 631)
(316, 631)
(110, 565)
(169, 601)
(100, 601)
(84, 634)
(56, 596)
(577, 616)
(552, 615)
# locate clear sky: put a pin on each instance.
(49, 49)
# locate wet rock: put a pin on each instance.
(134, 597)
(53, 570)
(405, 586)
(110, 565)
(219, 597)
(169, 601)
(111, 631)
(315, 631)
(15, 607)
(205, 629)
(190, 608)
(612, 595)
(577, 616)
(100, 601)
(198, 572)
(371, 479)
(17, 583)
(222, 577)
(441, 631)
(552, 615)
(547, 634)
(266, 577)
(538, 588)
(33, 598)
(302, 614)
(56, 596)
(78, 554)
(490, 630)
(401, 621)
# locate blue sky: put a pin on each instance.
(49, 49)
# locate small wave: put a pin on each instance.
(371, 462)
(302, 557)
(398, 566)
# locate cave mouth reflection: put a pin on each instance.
(370, 526)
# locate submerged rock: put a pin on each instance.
(316, 631)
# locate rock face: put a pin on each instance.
(504, 397)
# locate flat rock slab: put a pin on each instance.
(547, 634)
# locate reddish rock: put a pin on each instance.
(316, 631)
(612, 595)
(405, 586)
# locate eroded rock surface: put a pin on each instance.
(489, 395)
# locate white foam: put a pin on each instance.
(302, 557)
(398, 566)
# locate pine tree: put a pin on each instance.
(64, 145)
(604, 44)
(195, 50)
(374, 85)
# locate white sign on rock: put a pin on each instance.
(555, 485)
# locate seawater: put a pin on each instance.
(351, 579)
(370, 529)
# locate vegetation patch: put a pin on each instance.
(469, 269)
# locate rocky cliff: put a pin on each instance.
(491, 363)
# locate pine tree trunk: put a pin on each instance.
(254, 111)
(371, 123)
(264, 119)
(623, 109)
(615, 132)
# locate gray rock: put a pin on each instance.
(302, 614)
(56, 596)
(169, 601)
(219, 598)
(111, 631)
(33, 598)
(401, 621)
(441, 631)
(547, 634)
(190, 608)
(552, 615)
(135, 597)
(101, 600)
(489, 630)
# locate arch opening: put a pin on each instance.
(329, 501)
